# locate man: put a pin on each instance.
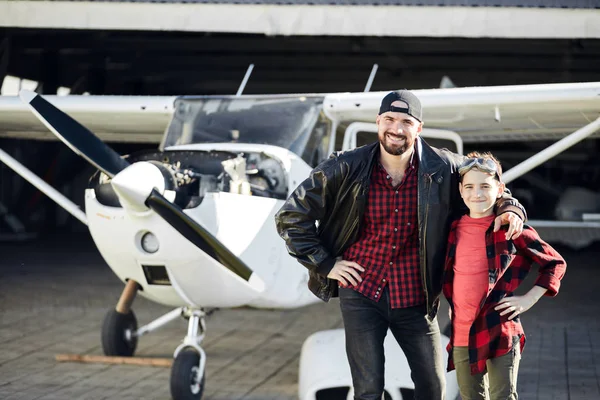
(373, 222)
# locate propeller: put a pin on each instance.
(138, 185)
(196, 234)
(73, 134)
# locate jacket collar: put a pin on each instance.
(429, 161)
(373, 158)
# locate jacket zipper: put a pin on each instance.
(424, 261)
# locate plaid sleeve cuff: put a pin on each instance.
(550, 283)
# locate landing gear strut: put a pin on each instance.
(188, 371)
(120, 325)
(120, 335)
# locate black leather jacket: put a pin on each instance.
(322, 217)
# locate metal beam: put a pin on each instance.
(75, 41)
(371, 78)
(245, 80)
(326, 81)
(4, 58)
(551, 151)
(153, 60)
(50, 72)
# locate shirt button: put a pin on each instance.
(387, 177)
(378, 290)
(408, 224)
(395, 229)
(396, 210)
(394, 247)
(396, 192)
(376, 295)
(383, 280)
(391, 263)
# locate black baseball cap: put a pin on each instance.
(413, 103)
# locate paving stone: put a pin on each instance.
(53, 300)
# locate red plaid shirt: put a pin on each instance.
(509, 262)
(388, 242)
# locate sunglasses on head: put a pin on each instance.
(482, 164)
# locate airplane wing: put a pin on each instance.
(141, 119)
(493, 113)
(486, 114)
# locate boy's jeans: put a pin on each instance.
(500, 381)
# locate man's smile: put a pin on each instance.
(396, 139)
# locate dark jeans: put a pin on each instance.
(366, 323)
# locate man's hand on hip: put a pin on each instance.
(515, 224)
(346, 272)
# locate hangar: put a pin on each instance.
(205, 47)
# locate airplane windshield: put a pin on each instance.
(287, 122)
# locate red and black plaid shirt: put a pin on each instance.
(388, 242)
(509, 262)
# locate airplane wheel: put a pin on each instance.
(115, 340)
(185, 382)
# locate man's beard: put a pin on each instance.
(394, 150)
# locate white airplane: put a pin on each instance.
(191, 225)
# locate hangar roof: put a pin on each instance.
(435, 3)
(516, 19)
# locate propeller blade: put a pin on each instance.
(81, 140)
(196, 234)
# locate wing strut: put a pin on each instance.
(39, 183)
(551, 151)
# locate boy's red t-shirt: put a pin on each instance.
(470, 274)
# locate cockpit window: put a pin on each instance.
(286, 122)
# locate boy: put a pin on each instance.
(482, 271)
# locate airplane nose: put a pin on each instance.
(134, 184)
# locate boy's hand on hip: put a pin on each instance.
(520, 304)
(515, 305)
(346, 272)
(515, 224)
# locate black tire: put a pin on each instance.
(114, 341)
(183, 385)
